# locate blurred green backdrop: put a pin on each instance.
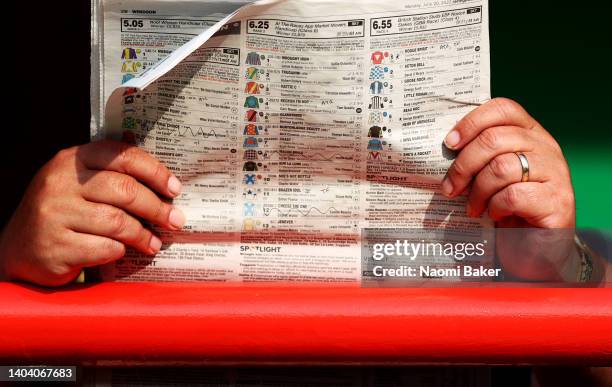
(554, 58)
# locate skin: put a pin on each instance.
(83, 207)
(488, 170)
(487, 139)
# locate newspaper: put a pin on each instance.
(166, 26)
(293, 125)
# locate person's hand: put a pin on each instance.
(83, 209)
(488, 139)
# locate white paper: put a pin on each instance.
(298, 125)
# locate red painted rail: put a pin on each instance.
(157, 323)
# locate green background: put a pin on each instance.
(554, 58)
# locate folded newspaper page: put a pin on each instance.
(128, 37)
(293, 126)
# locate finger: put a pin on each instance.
(127, 193)
(92, 250)
(130, 160)
(108, 221)
(496, 112)
(524, 200)
(479, 152)
(501, 172)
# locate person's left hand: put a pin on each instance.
(488, 140)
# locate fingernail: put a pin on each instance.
(176, 218)
(174, 185)
(155, 244)
(452, 139)
(447, 187)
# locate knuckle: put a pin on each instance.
(127, 155)
(61, 155)
(489, 140)
(59, 271)
(65, 154)
(458, 169)
(505, 106)
(467, 124)
(513, 196)
(501, 168)
(567, 200)
(138, 236)
(126, 188)
(48, 182)
(554, 146)
(520, 195)
(501, 101)
(117, 221)
(44, 212)
(45, 208)
(57, 174)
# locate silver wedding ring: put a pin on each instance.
(524, 166)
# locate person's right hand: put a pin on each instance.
(82, 209)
